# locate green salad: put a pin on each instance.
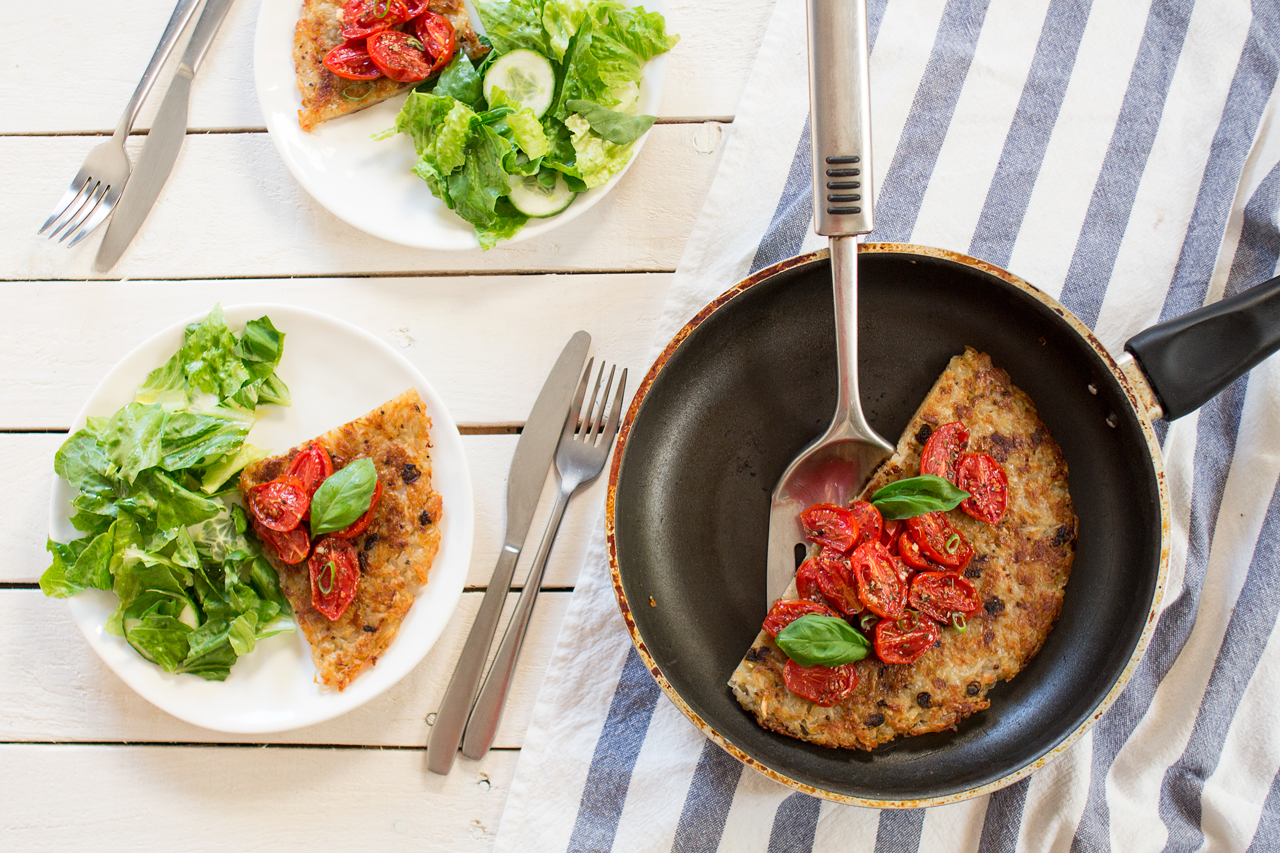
(195, 593)
(548, 113)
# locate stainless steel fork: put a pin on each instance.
(580, 457)
(96, 188)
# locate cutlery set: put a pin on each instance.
(103, 184)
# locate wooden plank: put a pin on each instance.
(231, 208)
(58, 689)
(86, 90)
(24, 511)
(73, 333)
(58, 797)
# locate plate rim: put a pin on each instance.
(457, 536)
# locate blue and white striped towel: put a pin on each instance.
(1124, 156)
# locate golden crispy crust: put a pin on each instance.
(319, 31)
(396, 551)
(1020, 570)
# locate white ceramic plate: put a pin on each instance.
(369, 184)
(335, 372)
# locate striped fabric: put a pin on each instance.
(1123, 156)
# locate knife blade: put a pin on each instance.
(163, 143)
(529, 467)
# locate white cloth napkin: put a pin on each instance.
(1123, 157)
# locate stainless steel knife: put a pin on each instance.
(529, 467)
(163, 142)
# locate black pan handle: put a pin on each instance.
(1189, 359)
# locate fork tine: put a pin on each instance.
(588, 414)
(575, 410)
(598, 419)
(85, 212)
(103, 210)
(611, 425)
(73, 207)
(77, 184)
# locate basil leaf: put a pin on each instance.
(917, 496)
(343, 497)
(812, 640)
(619, 128)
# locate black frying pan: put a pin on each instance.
(751, 380)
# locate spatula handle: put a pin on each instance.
(840, 117)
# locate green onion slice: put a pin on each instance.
(328, 572)
(358, 92)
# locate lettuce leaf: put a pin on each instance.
(598, 159)
(513, 25)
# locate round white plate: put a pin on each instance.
(335, 372)
(369, 184)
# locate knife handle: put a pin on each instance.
(177, 23)
(206, 28)
(451, 719)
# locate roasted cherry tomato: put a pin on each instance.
(363, 18)
(400, 56)
(822, 685)
(335, 574)
(355, 528)
(351, 61)
(909, 551)
(414, 8)
(835, 579)
(807, 581)
(280, 503)
(880, 587)
(786, 611)
(943, 449)
(313, 465)
(292, 546)
(889, 534)
(438, 37)
(905, 639)
(939, 541)
(870, 522)
(988, 487)
(830, 526)
(942, 595)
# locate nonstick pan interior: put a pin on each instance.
(751, 385)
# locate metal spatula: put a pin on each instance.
(835, 467)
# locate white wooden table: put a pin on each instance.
(87, 761)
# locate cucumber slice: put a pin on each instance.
(526, 76)
(532, 198)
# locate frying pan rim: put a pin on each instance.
(1141, 404)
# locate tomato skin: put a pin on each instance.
(987, 484)
(942, 594)
(291, 547)
(355, 528)
(835, 579)
(363, 18)
(943, 449)
(830, 526)
(279, 504)
(313, 465)
(807, 581)
(880, 587)
(895, 644)
(889, 534)
(394, 54)
(932, 532)
(438, 37)
(909, 551)
(341, 582)
(787, 610)
(350, 61)
(822, 685)
(870, 522)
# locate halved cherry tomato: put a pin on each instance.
(939, 541)
(987, 484)
(438, 37)
(909, 551)
(785, 611)
(906, 639)
(807, 581)
(822, 685)
(313, 465)
(414, 8)
(291, 547)
(943, 594)
(400, 56)
(880, 587)
(870, 521)
(830, 526)
(889, 534)
(335, 574)
(355, 528)
(943, 449)
(363, 18)
(835, 579)
(279, 504)
(351, 61)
